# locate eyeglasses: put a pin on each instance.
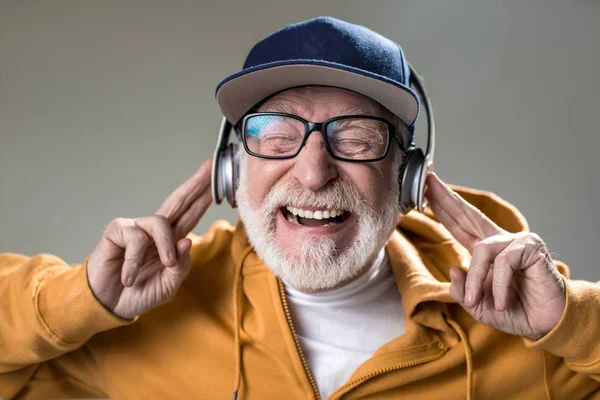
(348, 138)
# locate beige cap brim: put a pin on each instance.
(238, 95)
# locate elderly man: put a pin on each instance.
(323, 289)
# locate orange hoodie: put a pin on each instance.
(229, 323)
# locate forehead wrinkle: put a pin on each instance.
(309, 101)
(289, 107)
(282, 106)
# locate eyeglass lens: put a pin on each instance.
(352, 138)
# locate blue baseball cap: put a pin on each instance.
(322, 51)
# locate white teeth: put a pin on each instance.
(294, 219)
(317, 214)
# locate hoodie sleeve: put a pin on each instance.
(576, 337)
(47, 310)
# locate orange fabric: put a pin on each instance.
(57, 341)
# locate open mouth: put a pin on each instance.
(325, 217)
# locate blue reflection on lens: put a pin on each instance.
(256, 125)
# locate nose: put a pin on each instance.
(314, 167)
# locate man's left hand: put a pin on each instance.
(512, 283)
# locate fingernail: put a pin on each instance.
(129, 281)
(469, 297)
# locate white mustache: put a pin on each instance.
(336, 195)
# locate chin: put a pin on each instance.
(314, 263)
(316, 241)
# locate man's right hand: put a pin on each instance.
(140, 263)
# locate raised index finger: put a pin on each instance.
(186, 194)
(465, 222)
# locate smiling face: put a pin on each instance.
(316, 221)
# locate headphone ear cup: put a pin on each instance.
(231, 170)
(225, 175)
(411, 187)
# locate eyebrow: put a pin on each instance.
(358, 110)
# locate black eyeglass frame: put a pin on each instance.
(310, 127)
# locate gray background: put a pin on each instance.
(106, 106)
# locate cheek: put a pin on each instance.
(262, 175)
(372, 180)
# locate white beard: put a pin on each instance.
(317, 264)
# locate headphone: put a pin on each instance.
(415, 167)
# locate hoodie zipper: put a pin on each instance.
(387, 369)
(355, 382)
(288, 317)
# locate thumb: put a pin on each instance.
(173, 276)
